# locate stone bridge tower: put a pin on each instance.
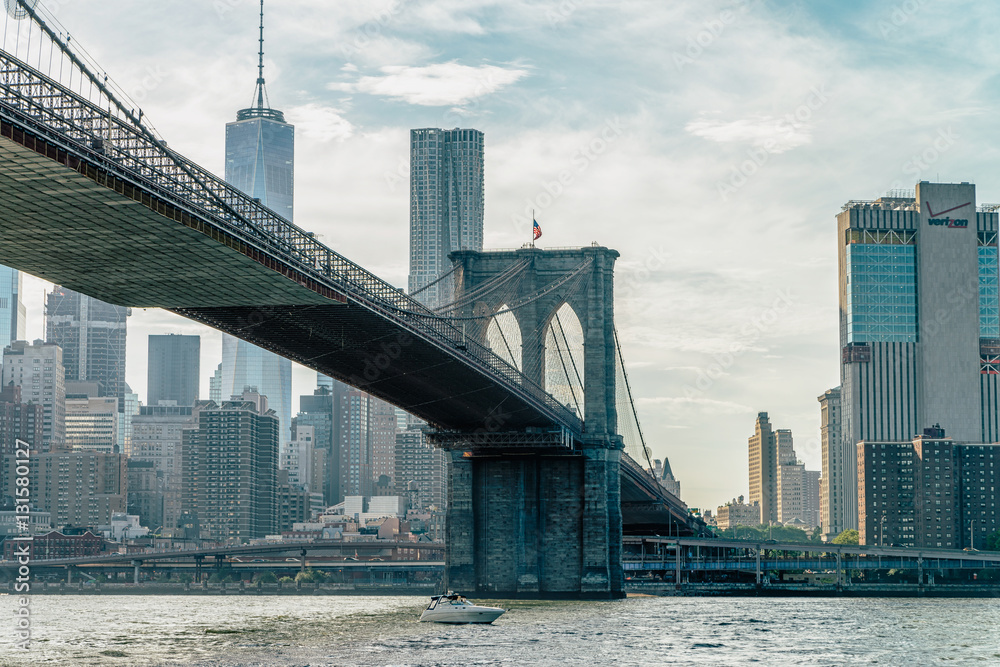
(525, 518)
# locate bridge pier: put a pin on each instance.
(535, 525)
(136, 564)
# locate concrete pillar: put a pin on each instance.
(460, 569)
(136, 564)
(302, 563)
(69, 574)
(678, 562)
(840, 576)
(197, 568)
(757, 551)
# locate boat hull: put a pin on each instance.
(462, 616)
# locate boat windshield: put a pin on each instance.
(433, 604)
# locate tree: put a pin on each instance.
(267, 577)
(993, 541)
(850, 536)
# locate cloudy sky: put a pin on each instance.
(711, 142)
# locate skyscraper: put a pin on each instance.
(446, 206)
(832, 483)
(12, 313)
(230, 465)
(260, 153)
(919, 321)
(174, 367)
(38, 370)
(763, 457)
(92, 336)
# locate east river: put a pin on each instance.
(315, 631)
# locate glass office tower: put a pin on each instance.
(12, 311)
(919, 329)
(260, 155)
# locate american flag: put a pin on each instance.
(537, 230)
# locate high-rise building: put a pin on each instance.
(92, 336)
(317, 412)
(215, 386)
(446, 206)
(146, 493)
(930, 492)
(81, 489)
(420, 475)
(832, 482)
(91, 420)
(174, 369)
(260, 156)
(352, 425)
(665, 476)
(38, 370)
(157, 439)
(919, 321)
(19, 421)
(245, 365)
(230, 463)
(382, 433)
(12, 311)
(798, 494)
(763, 458)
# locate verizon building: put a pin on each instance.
(919, 322)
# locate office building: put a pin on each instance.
(930, 492)
(446, 206)
(767, 450)
(833, 480)
(352, 425)
(317, 412)
(798, 495)
(215, 385)
(737, 513)
(665, 476)
(92, 336)
(420, 474)
(260, 156)
(12, 311)
(304, 461)
(146, 493)
(920, 321)
(19, 421)
(38, 370)
(157, 440)
(382, 432)
(81, 489)
(91, 420)
(174, 369)
(230, 463)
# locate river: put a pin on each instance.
(314, 631)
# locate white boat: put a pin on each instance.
(454, 608)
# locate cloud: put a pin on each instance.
(778, 134)
(321, 123)
(442, 84)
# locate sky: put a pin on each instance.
(710, 142)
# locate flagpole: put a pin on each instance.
(532, 228)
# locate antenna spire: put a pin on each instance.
(260, 107)
(260, 63)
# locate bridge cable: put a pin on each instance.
(631, 400)
(579, 380)
(562, 361)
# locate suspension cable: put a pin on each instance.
(635, 414)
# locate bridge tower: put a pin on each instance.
(532, 514)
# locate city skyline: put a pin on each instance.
(712, 334)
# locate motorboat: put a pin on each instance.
(456, 609)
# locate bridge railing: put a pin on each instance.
(113, 137)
